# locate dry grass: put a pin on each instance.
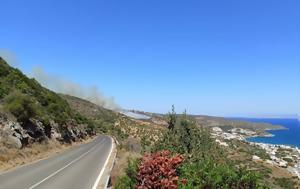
(121, 163)
(11, 158)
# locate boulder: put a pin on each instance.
(13, 135)
(14, 142)
(55, 135)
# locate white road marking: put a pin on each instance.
(72, 162)
(104, 166)
(36, 161)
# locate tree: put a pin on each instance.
(186, 132)
(172, 119)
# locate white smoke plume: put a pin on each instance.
(61, 85)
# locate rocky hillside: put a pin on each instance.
(114, 123)
(30, 113)
(98, 114)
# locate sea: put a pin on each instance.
(289, 136)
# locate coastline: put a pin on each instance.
(272, 150)
(269, 135)
(290, 160)
(280, 155)
(265, 133)
(281, 131)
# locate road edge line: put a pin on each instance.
(61, 169)
(111, 168)
(105, 164)
(52, 155)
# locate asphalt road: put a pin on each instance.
(77, 168)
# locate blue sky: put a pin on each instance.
(229, 58)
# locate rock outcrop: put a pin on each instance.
(16, 135)
(12, 134)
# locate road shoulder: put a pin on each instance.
(105, 175)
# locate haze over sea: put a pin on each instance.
(291, 136)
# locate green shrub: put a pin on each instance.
(285, 183)
(208, 174)
(21, 106)
(189, 139)
(145, 143)
(4, 68)
(124, 183)
(128, 181)
(3, 90)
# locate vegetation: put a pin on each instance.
(21, 106)
(129, 181)
(252, 150)
(204, 165)
(159, 170)
(209, 174)
(26, 101)
(25, 98)
(285, 183)
(100, 119)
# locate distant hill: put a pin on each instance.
(101, 116)
(224, 123)
(230, 123)
(88, 108)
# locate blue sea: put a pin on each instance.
(291, 136)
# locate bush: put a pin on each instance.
(190, 140)
(285, 183)
(129, 180)
(21, 106)
(208, 174)
(124, 182)
(3, 91)
(4, 68)
(159, 170)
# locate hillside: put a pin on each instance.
(103, 118)
(35, 120)
(116, 124)
(30, 113)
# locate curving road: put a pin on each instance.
(78, 168)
